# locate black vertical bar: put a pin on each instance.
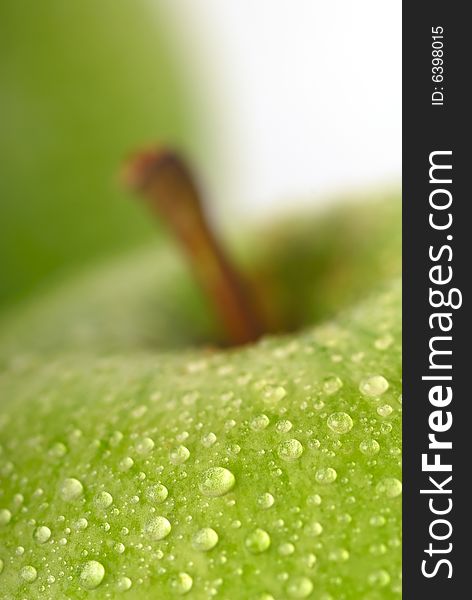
(429, 127)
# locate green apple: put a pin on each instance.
(138, 460)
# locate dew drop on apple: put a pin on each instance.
(205, 539)
(265, 501)
(379, 578)
(313, 529)
(58, 450)
(373, 387)
(260, 423)
(340, 422)
(116, 438)
(377, 521)
(5, 516)
(290, 450)
(216, 481)
(157, 493)
(181, 584)
(81, 524)
(286, 549)
(28, 574)
(179, 455)
(299, 587)
(283, 426)
(258, 541)
(41, 534)
(389, 487)
(208, 440)
(71, 489)
(158, 528)
(103, 500)
(124, 584)
(326, 475)
(338, 555)
(331, 385)
(119, 547)
(378, 549)
(273, 393)
(144, 446)
(126, 463)
(369, 447)
(91, 575)
(385, 410)
(314, 500)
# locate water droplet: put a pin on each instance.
(205, 539)
(314, 529)
(373, 387)
(369, 447)
(103, 500)
(28, 574)
(158, 528)
(290, 450)
(209, 439)
(299, 587)
(91, 575)
(265, 501)
(338, 555)
(258, 541)
(379, 578)
(71, 489)
(283, 426)
(5, 516)
(124, 584)
(58, 450)
(126, 463)
(384, 342)
(216, 481)
(331, 385)
(325, 475)
(389, 487)
(286, 549)
(179, 455)
(119, 547)
(42, 534)
(377, 521)
(314, 500)
(81, 524)
(260, 422)
(340, 422)
(385, 410)
(145, 446)
(273, 393)
(157, 493)
(182, 583)
(115, 438)
(378, 549)
(2, 564)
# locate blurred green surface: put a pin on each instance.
(81, 83)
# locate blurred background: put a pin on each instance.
(276, 103)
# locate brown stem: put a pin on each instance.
(169, 188)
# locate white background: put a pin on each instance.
(304, 95)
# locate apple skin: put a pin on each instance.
(313, 419)
(306, 270)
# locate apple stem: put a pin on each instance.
(169, 188)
